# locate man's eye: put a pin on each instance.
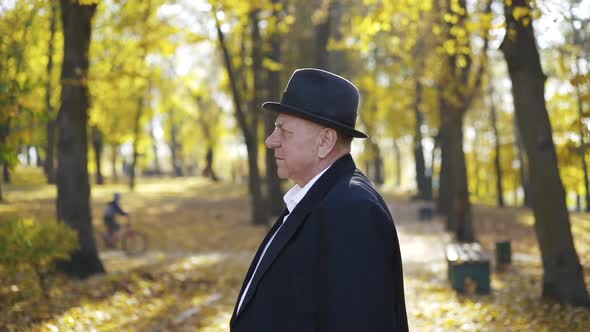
(282, 132)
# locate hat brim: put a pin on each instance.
(282, 108)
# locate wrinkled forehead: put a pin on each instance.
(290, 122)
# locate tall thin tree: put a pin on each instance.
(97, 145)
(420, 164)
(497, 149)
(49, 165)
(273, 183)
(257, 86)
(523, 165)
(73, 187)
(259, 215)
(563, 276)
(175, 146)
(462, 81)
(322, 33)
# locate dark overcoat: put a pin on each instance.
(334, 266)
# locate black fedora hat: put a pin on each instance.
(322, 97)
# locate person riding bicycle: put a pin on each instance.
(112, 210)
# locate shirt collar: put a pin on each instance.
(296, 194)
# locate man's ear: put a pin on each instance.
(328, 138)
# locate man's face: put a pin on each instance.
(295, 143)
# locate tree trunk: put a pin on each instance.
(73, 187)
(157, 168)
(259, 215)
(97, 144)
(29, 160)
(39, 162)
(368, 168)
(497, 159)
(175, 147)
(273, 183)
(114, 155)
(49, 164)
(136, 133)
(523, 166)
(140, 108)
(563, 277)
(421, 181)
(257, 86)
(397, 157)
(322, 35)
(444, 200)
(241, 74)
(430, 172)
(6, 173)
(462, 92)
(475, 166)
(1, 184)
(4, 130)
(208, 170)
(452, 123)
(460, 218)
(377, 161)
(4, 152)
(250, 137)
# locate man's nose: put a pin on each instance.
(272, 141)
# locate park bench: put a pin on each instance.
(467, 261)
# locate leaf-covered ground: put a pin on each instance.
(201, 244)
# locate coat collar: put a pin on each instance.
(344, 165)
(297, 193)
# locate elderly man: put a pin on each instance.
(332, 261)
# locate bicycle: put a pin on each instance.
(132, 242)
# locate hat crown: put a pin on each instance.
(322, 97)
(323, 94)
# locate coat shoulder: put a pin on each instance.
(354, 191)
(353, 187)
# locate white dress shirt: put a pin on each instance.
(291, 198)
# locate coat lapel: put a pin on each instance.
(272, 230)
(312, 198)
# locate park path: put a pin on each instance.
(422, 244)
